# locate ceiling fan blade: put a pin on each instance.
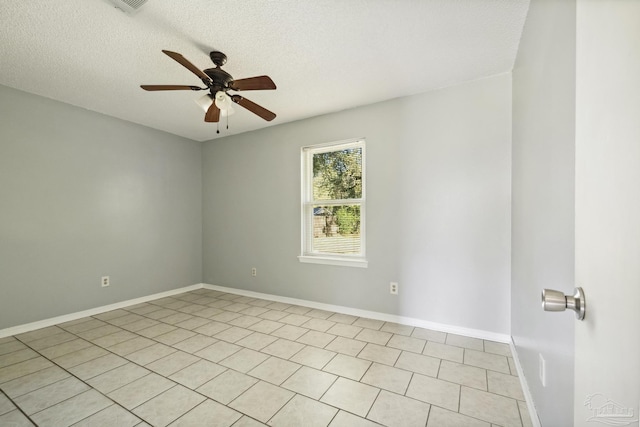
(253, 83)
(188, 65)
(213, 113)
(169, 87)
(253, 107)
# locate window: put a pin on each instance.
(333, 204)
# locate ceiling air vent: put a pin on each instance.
(129, 6)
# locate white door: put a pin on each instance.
(607, 342)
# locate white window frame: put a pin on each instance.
(307, 254)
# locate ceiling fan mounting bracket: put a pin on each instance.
(218, 58)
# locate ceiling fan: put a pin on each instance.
(218, 82)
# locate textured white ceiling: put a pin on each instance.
(324, 55)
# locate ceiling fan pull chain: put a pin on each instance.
(218, 127)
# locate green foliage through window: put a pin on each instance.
(348, 219)
(337, 174)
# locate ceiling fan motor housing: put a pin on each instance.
(219, 78)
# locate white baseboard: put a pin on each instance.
(15, 330)
(535, 421)
(411, 321)
(475, 333)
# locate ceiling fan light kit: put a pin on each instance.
(218, 82)
(223, 101)
(204, 102)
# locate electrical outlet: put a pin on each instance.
(393, 288)
(543, 370)
(105, 281)
(254, 272)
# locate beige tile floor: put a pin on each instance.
(207, 358)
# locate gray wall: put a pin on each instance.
(543, 202)
(84, 195)
(438, 207)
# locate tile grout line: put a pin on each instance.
(520, 413)
(486, 374)
(372, 404)
(79, 379)
(332, 418)
(428, 416)
(17, 407)
(128, 361)
(111, 352)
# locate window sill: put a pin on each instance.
(328, 260)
